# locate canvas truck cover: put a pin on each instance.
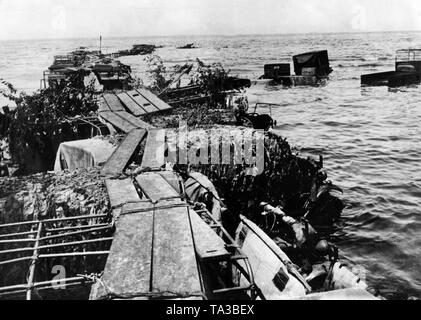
(82, 154)
(315, 59)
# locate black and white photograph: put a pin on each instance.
(210, 154)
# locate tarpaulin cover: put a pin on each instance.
(82, 154)
(317, 59)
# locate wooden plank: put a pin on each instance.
(142, 102)
(121, 156)
(172, 179)
(174, 262)
(153, 99)
(154, 154)
(155, 187)
(209, 246)
(128, 267)
(103, 106)
(121, 192)
(117, 121)
(133, 120)
(131, 105)
(113, 102)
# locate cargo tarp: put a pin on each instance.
(82, 154)
(317, 59)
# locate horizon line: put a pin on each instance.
(209, 35)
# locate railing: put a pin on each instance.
(32, 241)
(408, 55)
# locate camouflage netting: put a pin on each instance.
(193, 114)
(296, 184)
(51, 195)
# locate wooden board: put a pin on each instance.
(142, 102)
(161, 105)
(155, 186)
(128, 267)
(113, 103)
(133, 120)
(209, 246)
(103, 106)
(174, 262)
(121, 192)
(121, 156)
(131, 105)
(172, 179)
(154, 154)
(117, 121)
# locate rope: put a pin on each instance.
(110, 294)
(169, 206)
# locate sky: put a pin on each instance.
(41, 19)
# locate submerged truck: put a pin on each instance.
(407, 71)
(310, 68)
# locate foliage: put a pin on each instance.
(45, 118)
(135, 82)
(212, 79)
(288, 181)
(157, 72)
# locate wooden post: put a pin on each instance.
(33, 263)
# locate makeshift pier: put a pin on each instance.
(122, 110)
(146, 260)
(162, 248)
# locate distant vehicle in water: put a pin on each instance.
(138, 49)
(189, 46)
(310, 69)
(407, 71)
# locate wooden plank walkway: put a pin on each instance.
(156, 187)
(153, 99)
(171, 179)
(121, 192)
(122, 110)
(154, 154)
(129, 264)
(174, 261)
(103, 106)
(133, 120)
(117, 121)
(209, 246)
(134, 108)
(153, 253)
(113, 103)
(142, 102)
(124, 121)
(122, 155)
